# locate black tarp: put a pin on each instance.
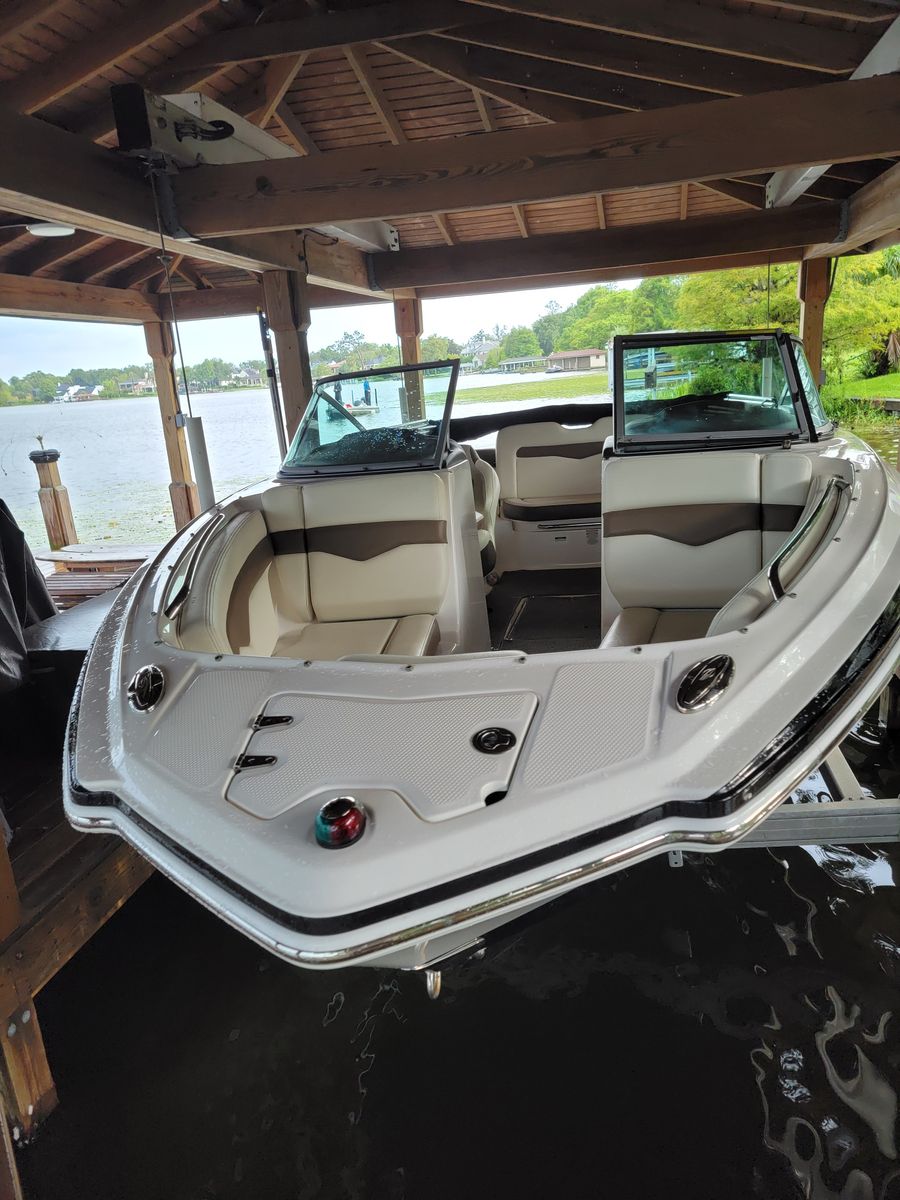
(24, 599)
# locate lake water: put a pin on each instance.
(114, 463)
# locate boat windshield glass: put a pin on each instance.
(371, 420)
(699, 390)
(813, 399)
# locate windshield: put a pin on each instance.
(376, 420)
(813, 399)
(671, 389)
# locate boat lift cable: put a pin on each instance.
(165, 258)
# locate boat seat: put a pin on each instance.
(324, 571)
(683, 534)
(549, 472)
(486, 490)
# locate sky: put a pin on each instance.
(27, 344)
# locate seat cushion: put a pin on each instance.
(647, 626)
(326, 641)
(561, 508)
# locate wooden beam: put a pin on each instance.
(444, 228)
(737, 189)
(448, 59)
(287, 311)
(408, 324)
(55, 175)
(240, 299)
(19, 18)
(813, 288)
(293, 127)
(375, 94)
(188, 271)
(600, 88)
(47, 254)
(722, 262)
(871, 212)
(849, 10)
(692, 142)
(520, 220)
(107, 258)
(122, 38)
(601, 211)
(688, 68)
(258, 102)
(139, 272)
(485, 112)
(318, 31)
(633, 246)
(28, 1088)
(683, 202)
(24, 297)
(182, 489)
(685, 23)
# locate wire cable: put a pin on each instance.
(165, 258)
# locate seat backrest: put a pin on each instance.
(485, 488)
(785, 477)
(229, 607)
(681, 530)
(545, 459)
(377, 546)
(282, 508)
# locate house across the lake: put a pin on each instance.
(245, 377)
(531, 362)
(578, 360)
(138, 387)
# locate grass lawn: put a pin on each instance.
(883, 387)
(554, 387)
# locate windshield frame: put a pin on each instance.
(676, 442)
(434, 463)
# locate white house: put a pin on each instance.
(531, 362)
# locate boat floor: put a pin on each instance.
(543, 611)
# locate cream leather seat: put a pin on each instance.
(486, 490)
(549, 472)
(330, 569)
(682, 534)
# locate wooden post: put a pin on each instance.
(54, 500)
(10, 1187)
(28, 1087)
(408, 323)
(287, 311)
(182, 490)
(813, 290)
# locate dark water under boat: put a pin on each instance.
(727, 1029)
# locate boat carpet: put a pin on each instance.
(543, 611)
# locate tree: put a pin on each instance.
(435, 347)
(548, 327)
(521, 343)
(652, 304)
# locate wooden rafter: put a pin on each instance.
(317, 31)
(450, 59)
(631, 246)
(75, 65)
(683, 202)
(146, 268)
(258, 101)
(191, 273)
(48, 255)
(849, 10)
(688, 68)
(706, 27)
(83, 301)
(375, 93)
(293, 127)
(444, 228)
(709, 140)
(573, 81)
(520, 220)
(102, 261)
(19, 16)
(160, 284)
(601, 210)
(485, 112)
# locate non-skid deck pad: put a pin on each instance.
(540, 624)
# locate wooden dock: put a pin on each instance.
(81, 571)
(57, 886)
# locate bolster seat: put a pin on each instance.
(645, 626)
(323, 640)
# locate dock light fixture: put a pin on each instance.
(50, 229)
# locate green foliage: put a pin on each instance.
(521, 342)
(548, 327)
(434, 347)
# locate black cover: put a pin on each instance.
(24, 599)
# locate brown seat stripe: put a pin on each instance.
(691, 524)
(572, 450)
(237, 621)
(780, 518)
(370, 538)
(288, 541)
(550, 512)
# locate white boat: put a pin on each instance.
(298, 711)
